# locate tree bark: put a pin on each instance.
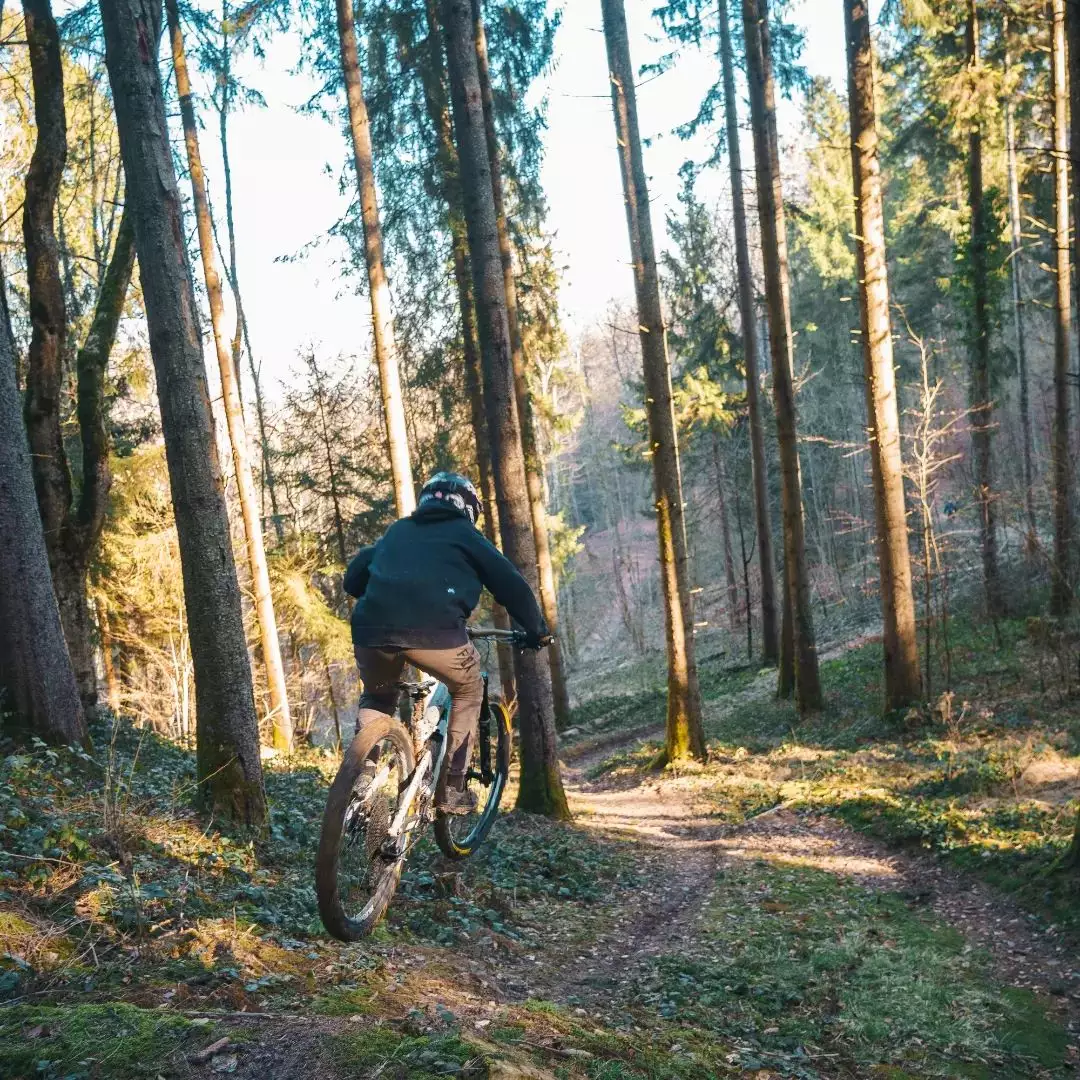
(685, 736)
(228, 762)
(48, 316)
(534, 479)
(1072, 34)
(540, 789)
(1015, 260)
(902, 683)
(1061, 591)
(382, 320)
(774, 257)
(83, 524)
(770, 643)
(281, 720)
(71, 532)
(36, 677)
(982, 407)
(112, 682)
(725, 533)
(438, 105)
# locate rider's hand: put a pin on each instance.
(538, 641)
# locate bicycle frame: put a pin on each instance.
(438, 696)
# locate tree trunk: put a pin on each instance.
(540, 789)
(745, 577)
(725, 533)
(260, 575)
(785, 681)
(902, 684)
(234, 284)
(36, 678)
(685, 736)
(112, 682)
(48, 317)
(382, 320)
(1061, 585)
(438, 105)
(71, 533)
(770, 644)
(228, 762)
(1072, 34)
(982, 407)
(1015, 259)
(534, 478)
(774, 257)
(82, 525)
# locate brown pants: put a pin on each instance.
(457, 668)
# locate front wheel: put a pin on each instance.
(358, 867)
(459, 835)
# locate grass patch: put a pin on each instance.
(409, 1057)
(986, 776)
(797, 966)
(81, 1041)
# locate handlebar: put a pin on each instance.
(511, 637)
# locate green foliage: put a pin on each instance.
(77, 1042)
(419, 1057)
(796, 959)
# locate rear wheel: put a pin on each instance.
(358, 867)
(459, 835)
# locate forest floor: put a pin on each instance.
(843, 896)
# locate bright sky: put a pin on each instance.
(286, 165)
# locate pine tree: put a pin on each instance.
(748, 320)
(533, 465)
(382, 322)
(1062, 582)
(799, 628)
(685, 736)
(902, 682)
(980, 400)
(541, 789)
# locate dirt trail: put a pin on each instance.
(595, 967)
(682, 845)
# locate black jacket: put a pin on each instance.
(418, 585)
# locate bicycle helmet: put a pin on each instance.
(456, 490)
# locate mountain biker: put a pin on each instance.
(415, 588)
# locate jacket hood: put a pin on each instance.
(432, 512)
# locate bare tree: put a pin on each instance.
(759, 74)
(770, 644)
(894, 561)
(541, 789)
(228, 761)
(382, 320)
(685, 736)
